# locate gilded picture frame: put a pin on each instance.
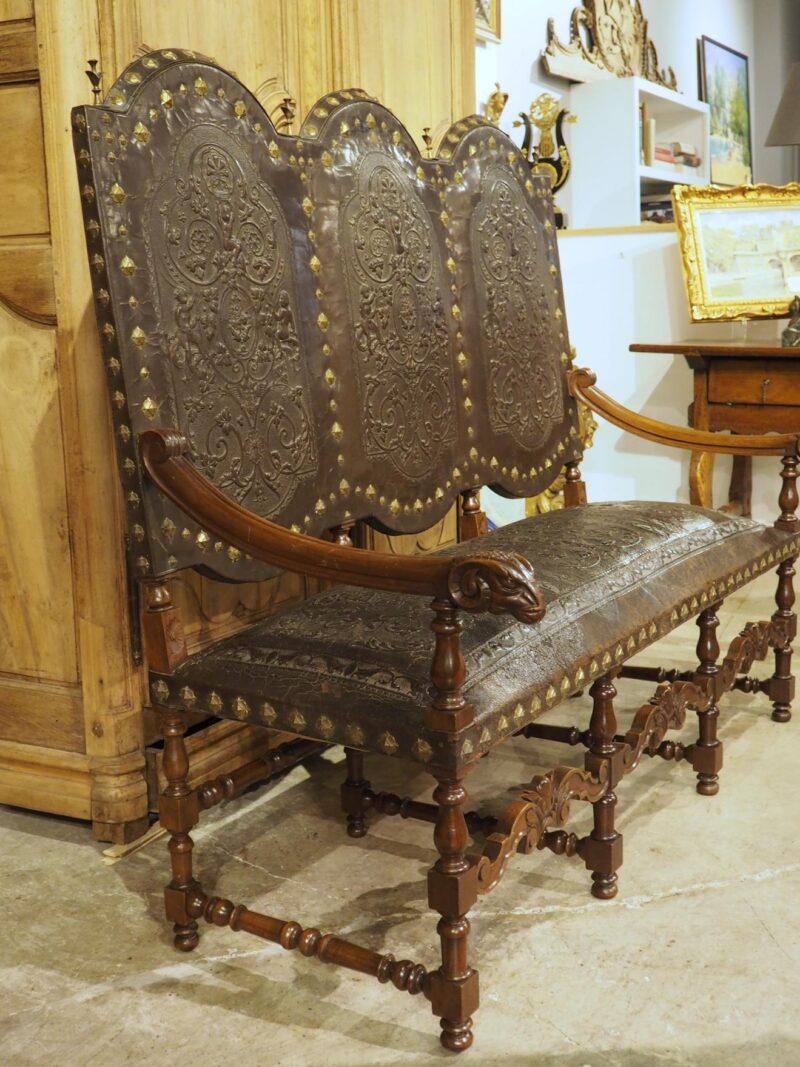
(487, 20)
(740, 249)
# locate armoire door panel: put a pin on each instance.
(37, 632)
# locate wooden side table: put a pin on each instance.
(741, 387)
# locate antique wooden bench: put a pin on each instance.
(301, 332)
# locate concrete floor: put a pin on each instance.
(697, 961)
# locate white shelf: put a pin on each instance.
(608, 177)
(673, 174)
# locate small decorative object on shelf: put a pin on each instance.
(550, 156)
(790, 338)
(618, 45)
(493, 108)
(740, 249)
(487, 20)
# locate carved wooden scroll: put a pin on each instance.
(618, 45)
(523, 822)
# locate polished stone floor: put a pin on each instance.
(697, 961)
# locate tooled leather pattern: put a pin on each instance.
(377, 643)
(403, 362)
(227, 308)
(525, 390)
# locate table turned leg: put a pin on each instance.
(701, 478)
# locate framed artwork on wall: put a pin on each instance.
(487, 20)
(740, 249)
(725, 87)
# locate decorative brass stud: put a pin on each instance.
(168, 529)
(200, 87)
(188, 697)
(315, 264)
(127, 266)
(124, 433)
(149, 407)
(297, 720)
(166, 98)
(116, 98)
(307, 205)
(322, 321)
(215, 703)
(354, 734)
(138, 336)
(423, 751)
(268, 713)
(141, 133)
(551, 695)
(241, 709)
(467, 748)
(336, 431)
(324, 726)
(388, 743)
(160, 690)
(201, 540)
(486, 736)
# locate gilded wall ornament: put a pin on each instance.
(618, 45)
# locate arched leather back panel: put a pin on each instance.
(341, 328)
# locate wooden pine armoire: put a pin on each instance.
(75, 736)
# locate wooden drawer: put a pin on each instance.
(770, 382)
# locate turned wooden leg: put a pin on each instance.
(352, 793)
(707, 751)
(178, 813)
(452, 890)
(603, 849)
(781, 684)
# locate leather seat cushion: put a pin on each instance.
(352, 665)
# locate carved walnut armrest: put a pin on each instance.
(581, 386)
(497, 582)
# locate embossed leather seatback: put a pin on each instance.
(341, 328)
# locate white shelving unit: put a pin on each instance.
(608, 177)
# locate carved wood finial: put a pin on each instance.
(95, 76)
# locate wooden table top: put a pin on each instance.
(720, 347)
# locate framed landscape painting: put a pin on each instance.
(740, 249)
(724, 85)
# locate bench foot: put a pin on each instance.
(352, 793)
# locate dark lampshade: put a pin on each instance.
(785, 128)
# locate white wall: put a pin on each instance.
(628, 287)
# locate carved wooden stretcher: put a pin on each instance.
(303, 332)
